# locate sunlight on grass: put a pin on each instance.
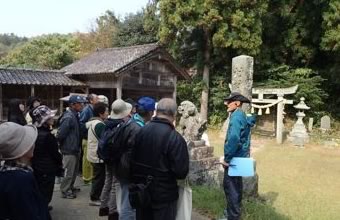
(305, 182)
(301, 183)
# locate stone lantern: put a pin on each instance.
(299, 136)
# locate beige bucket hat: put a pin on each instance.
(16, 140)
(120, 109)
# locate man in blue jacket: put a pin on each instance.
(70, 144)
(237, 144)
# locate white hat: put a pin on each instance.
(103, 98)
(16, 140)
(120, 109)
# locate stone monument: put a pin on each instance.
(310, 124)
(242, 82)
(242, 77)
(325, 123)
(299, 136)
(203, 164)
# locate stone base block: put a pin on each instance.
(205, 177)
(251, 186)
(298, 139)
(199, 153)
(204, 164)
(199, 143)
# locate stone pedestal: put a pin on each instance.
(203, 164)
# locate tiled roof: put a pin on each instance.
(117, 60)
(109, 60)
(36, 77)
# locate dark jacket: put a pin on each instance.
(85, 115)
(160, 151)
(46, 157)
(69, 133)
(123, 168)
(237, 142)
(20, 197)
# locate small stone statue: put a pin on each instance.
(191, 126)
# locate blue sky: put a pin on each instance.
(35, 17)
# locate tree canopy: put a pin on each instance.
(9, 42)
(211, 28)
(292, 42)
(47, 52)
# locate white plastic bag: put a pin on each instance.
(184, 203)
(118, 196)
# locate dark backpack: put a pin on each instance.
(110, 145)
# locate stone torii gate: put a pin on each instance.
(262, 103)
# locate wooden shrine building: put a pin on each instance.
(129, 72)
(124, 72)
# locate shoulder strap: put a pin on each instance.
(93, 131)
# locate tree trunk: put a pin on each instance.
(206, 70)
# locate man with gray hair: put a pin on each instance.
(160, 155)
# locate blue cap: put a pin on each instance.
(147, 103)
(76, 99)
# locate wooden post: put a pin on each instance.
(52, 97)
(140, 79)
(119, 89)
(279, 120)
(61, 104)
(159, 80)
(112, 98)
(1, 102)
(32, 90)
(174, 95)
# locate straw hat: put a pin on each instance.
(16, 140)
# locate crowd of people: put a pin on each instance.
(134, 149)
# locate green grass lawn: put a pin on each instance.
(294, 183)
(211, 201)
(302, 183)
